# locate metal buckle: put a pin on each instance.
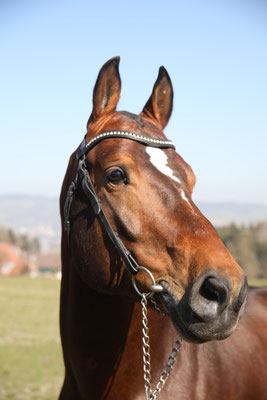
(154, 287)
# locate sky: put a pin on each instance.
(214, 50)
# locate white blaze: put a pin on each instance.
(160, 160)
(186, 199)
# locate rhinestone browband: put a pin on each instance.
(146, 140)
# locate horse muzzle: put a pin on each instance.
(208, 309)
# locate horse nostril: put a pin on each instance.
(214, 289)
(209, 297)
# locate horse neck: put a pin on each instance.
(103, 335)
(102, 318)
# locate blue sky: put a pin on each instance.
(214, 51)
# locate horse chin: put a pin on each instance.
(193, 329)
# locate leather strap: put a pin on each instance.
(67, 207)
(90, 193)
(146, 140)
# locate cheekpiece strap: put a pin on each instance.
(68, 205)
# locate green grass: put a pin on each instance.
(257, 282)
(31, 366)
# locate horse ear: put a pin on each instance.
(107, 89)
(159, 105)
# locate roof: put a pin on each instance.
(12, 260)
(48, 261)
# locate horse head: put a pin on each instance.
(145, 193)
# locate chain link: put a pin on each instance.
(146, 349)
(157, 308)
(150, 394)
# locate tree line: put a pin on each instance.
(248, 246)
(23, 241)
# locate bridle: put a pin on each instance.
(131, 263)
(91, 195)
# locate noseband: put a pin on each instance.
(91, 195)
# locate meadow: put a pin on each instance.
(31, 366)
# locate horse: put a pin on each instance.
(142, 269)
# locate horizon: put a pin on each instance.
(202, 202)
(215, 54)
(39, 216)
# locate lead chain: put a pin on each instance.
(150, 394)
(156, 307)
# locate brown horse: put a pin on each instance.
(125, 203)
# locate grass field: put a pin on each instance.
(258, 282)
(31, 366)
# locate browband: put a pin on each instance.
(146, 140)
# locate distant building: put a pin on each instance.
(49, 263)
(13, 260)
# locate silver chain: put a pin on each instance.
(150, 393)
(157, 308)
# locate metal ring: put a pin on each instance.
(152, 278)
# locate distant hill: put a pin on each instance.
(39, 216)
(221, 214)
(34, 215)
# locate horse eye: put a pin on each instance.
(116, 176)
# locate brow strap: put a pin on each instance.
(146, 140)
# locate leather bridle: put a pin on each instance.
(89, 191)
